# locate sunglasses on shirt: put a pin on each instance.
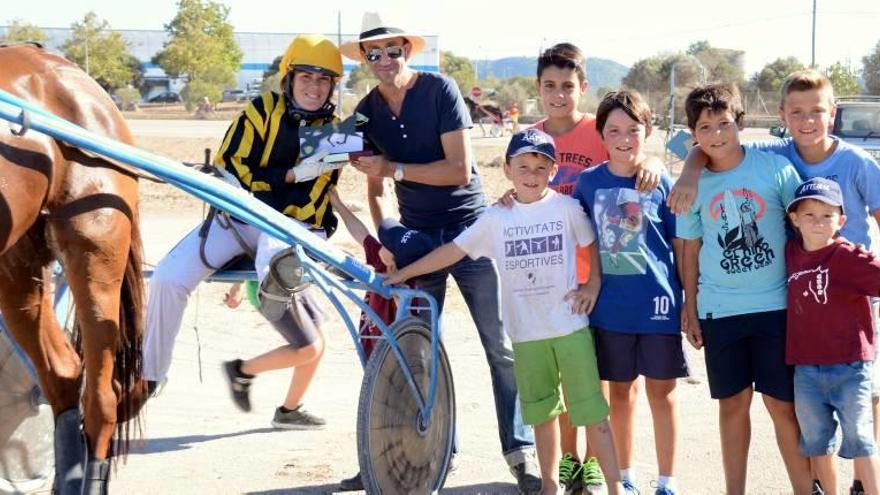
(374, 54)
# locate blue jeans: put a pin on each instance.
(478, 281)
(824, 395)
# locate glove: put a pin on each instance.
(312, 167)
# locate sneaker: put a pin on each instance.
(591, 475)
(662, 489)
(569, 473)
(817, 488)
(629, 487)
(528, 476)
(297, 419)
(353, 484)
(239, 384)
(857, 488)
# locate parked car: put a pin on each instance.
(233, 95)
(166, 97)
(857, 122)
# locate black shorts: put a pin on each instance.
(622, 357)
(745, 350)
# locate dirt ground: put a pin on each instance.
(196, 441)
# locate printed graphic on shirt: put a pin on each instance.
(817, 286)
(570, 166)
(743, 245)
(529, 249)
(620, 218)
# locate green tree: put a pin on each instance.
(646, 75)
(843, 79)
(771, 77)
(272, 76)
(603, 90)
(102, 53)
(18, 31)
(719, 64)
(871, 71)
(459, 68)
(360, 80)
(201, 47)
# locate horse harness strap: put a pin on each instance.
(225, 221)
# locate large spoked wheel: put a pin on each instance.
(398, 451)
(26, 426)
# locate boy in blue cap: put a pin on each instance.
(534, 245)
(830, 338)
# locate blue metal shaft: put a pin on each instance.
(235, 201)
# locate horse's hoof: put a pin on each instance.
(96, 479)
(70, 453)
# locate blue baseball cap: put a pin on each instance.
(820, 189)
(407, 245)
(532, 141)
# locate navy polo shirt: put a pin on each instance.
(432, 107)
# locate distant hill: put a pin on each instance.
(600, 71)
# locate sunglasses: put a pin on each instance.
(374, 54)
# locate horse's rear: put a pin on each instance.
(56, 202)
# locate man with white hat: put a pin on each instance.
(420, 124)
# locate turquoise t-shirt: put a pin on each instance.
(740, 217)
(857, 173)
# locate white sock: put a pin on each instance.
(628, 474)
(667, 481)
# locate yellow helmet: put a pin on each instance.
(314, 53)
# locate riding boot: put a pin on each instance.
(97, 477)
(70, 453)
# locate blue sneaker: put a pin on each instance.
(662, 489)
(629, 488)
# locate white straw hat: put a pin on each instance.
(372, 28)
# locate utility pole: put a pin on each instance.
(813, 57)
(87, 55)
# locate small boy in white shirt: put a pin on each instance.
(544, 309)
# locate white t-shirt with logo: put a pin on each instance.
(534, 247)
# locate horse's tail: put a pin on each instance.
(129, 357)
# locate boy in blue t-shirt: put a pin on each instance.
(733, 271)
(808, 110)
(637, 315)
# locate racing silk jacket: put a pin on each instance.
(260, 146)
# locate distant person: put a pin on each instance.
(514, 118)
(553, 347)
(733, 271)
(637, 318)
(261, 153)
(421, 124)
(831, 335)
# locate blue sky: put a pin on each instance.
(622, 31)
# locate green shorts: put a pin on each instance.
(541, 365)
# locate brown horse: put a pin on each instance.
(58, 203)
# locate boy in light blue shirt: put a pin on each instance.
(733, 272)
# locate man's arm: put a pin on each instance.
(453, 170)
(690, 270)
(446, 255)
(684, 192)
(376, 199)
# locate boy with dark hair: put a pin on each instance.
(830, 334)
(534, 245)
(733, 273)
(637, 316)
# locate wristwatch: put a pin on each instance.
(398, 172)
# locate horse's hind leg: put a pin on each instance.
(27, 310)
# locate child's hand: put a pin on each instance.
(648, 175)
(690, 325)
(507, 199)
(683, 193)
(394, 278)
(387, 259)
(232, 298)
(583, 299)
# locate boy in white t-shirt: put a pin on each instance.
(544, 308)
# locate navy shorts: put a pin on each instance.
(748, 349)
(622, 357)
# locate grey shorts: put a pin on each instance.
(302, 331)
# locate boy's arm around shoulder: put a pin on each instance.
(684, 193)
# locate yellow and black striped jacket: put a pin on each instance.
(260, 147)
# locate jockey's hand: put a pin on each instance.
(311, 168)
